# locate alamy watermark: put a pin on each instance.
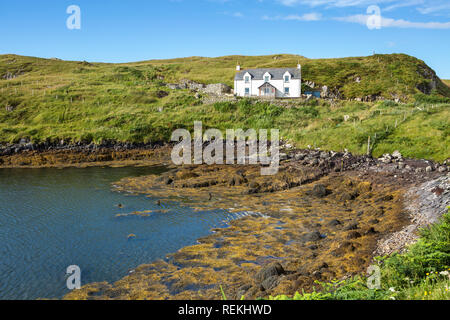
(234, 148)
(374, 19)
(73, 22)
(73, 277)
(374, 277)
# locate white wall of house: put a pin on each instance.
(294, 86)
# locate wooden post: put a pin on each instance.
(368, 147)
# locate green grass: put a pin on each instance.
(80, 101)
(422, 273)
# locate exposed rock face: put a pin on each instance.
(273, 269)
(217, 89)
(327, 93)
(427, 203)
(429, 74)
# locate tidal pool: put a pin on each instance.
(53, 218)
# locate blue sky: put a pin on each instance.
(133, 30)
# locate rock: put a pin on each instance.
(334, 223)
(353, 235)
(429, 169)
(270, 283)
(283, 156)
(442, 169)
(236, 180)
(364, 187)
(351, 226)
(299, 156)
(324, 93)
(401, 165)
(162, 93)
(371, 231)
(319, 191)
(270, 270)
(173, 86)
(324, 155)
(312, 236)
(216, 89)
(419, 170)
(242, 291)
(397, 154)
(386, 158)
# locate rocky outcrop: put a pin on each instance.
(328, 93)
(214, 89)
(217, 89)
(426, 204)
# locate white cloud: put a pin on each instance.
(423, 6)
(393, 23)
(434, 9)
(334, 3)
(313, 16)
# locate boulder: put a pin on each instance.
(312, 236)
(270, 283)
(397, 154)
(270, 270)
(319, 191)
(216, 89)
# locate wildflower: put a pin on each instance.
(444, 273)
(428, 274)
(392, 289)
(425, 293)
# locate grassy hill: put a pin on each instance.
(50, 99)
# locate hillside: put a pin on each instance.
(50, 100)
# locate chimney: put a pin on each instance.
(299, 67)
(238, 68)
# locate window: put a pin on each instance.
(286, 79)
(286, 91)
(266, 78)
(267, 91)
(247, 91)
(247, 79)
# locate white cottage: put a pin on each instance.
(270, 83)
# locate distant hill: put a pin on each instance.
(388, 76)
(52, 100)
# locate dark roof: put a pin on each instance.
(276, 73)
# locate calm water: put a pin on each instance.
(50, 219)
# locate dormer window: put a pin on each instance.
(267, 77)
(247, 79)
(287, 77)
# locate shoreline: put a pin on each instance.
(334, 209)
(321, 220)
